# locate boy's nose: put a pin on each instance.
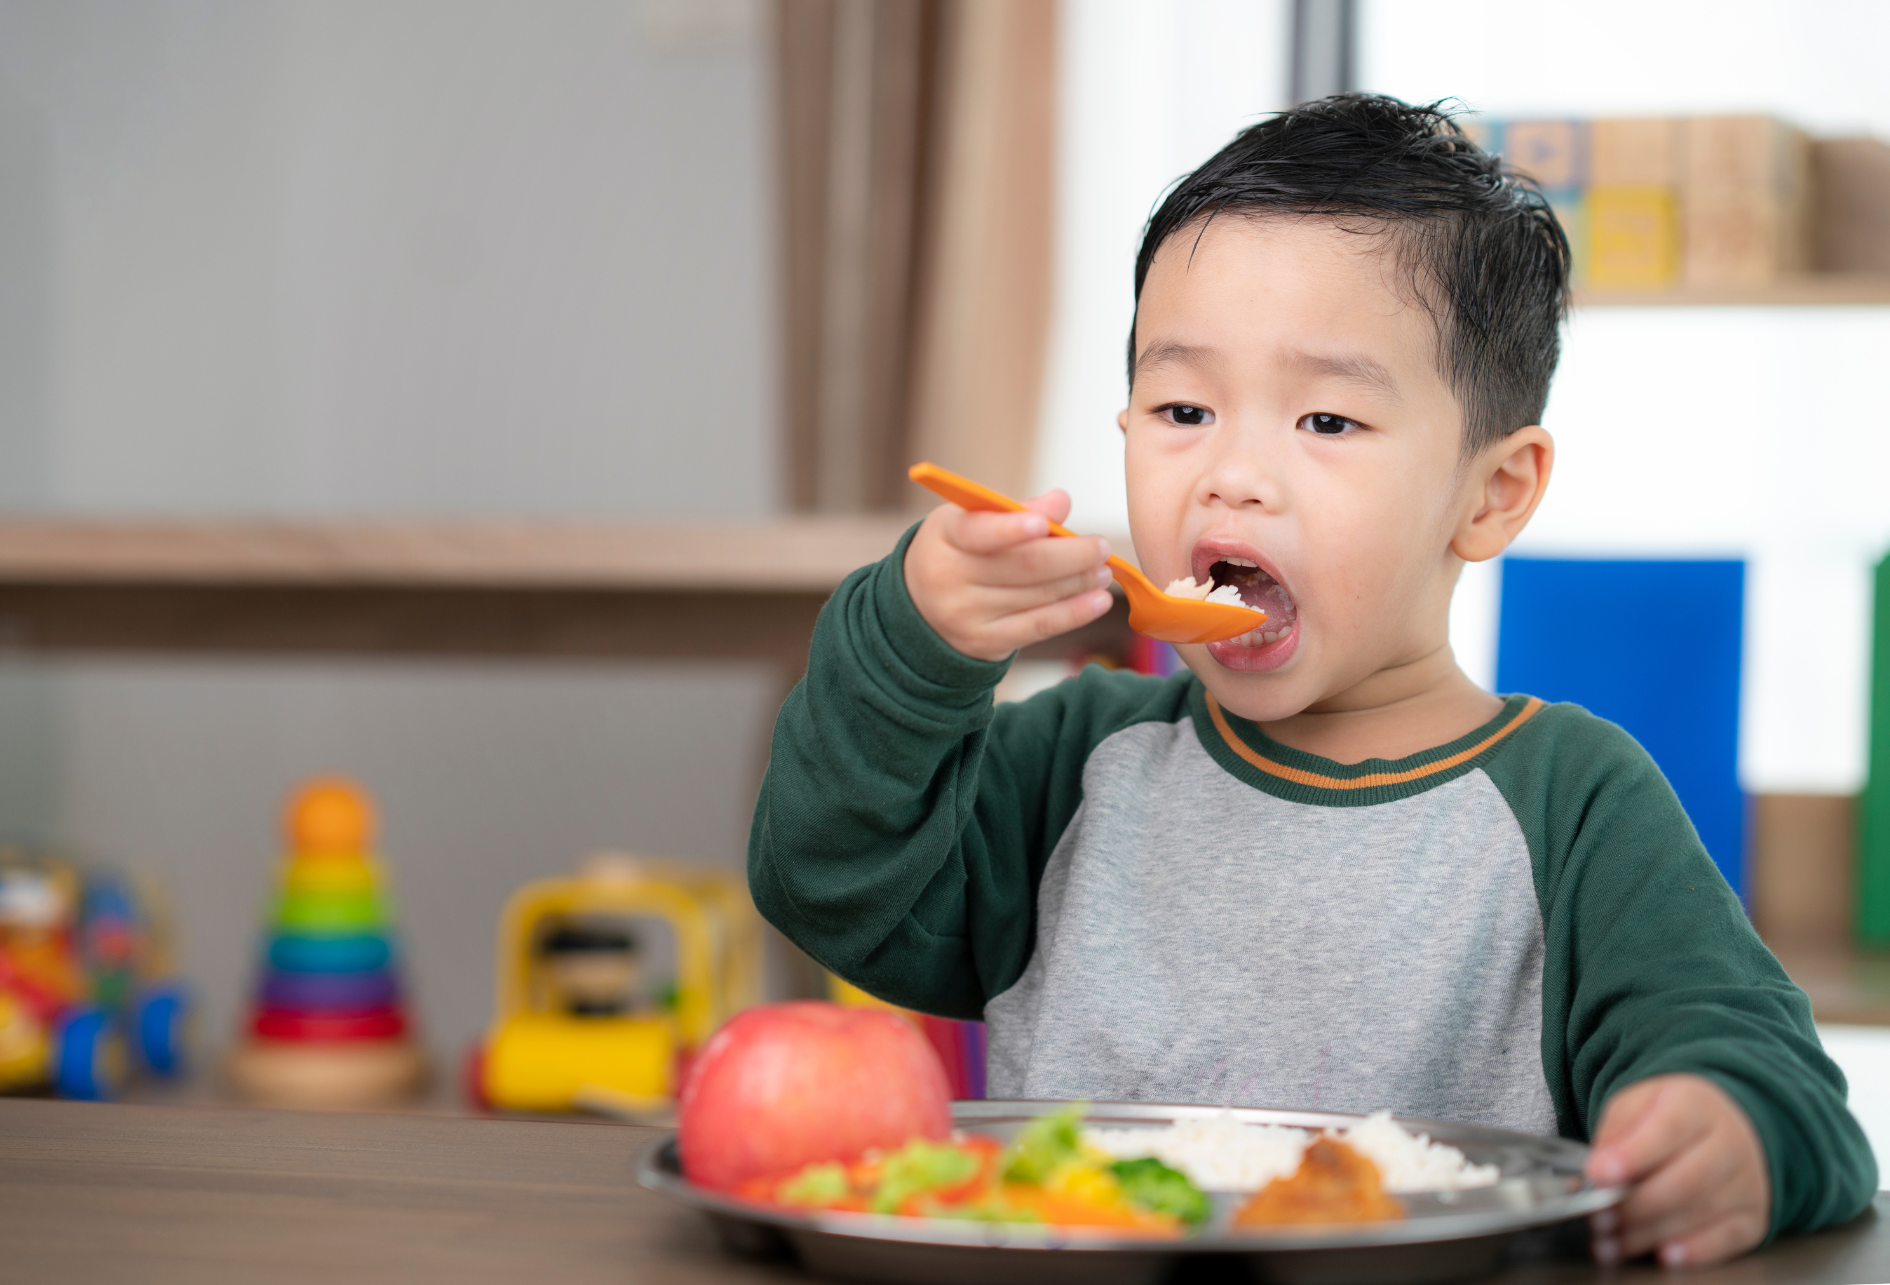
(1242, 476)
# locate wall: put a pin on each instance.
(428, 256)
(409, 257)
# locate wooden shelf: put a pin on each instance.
(1845, 987)
(797, 554)
(1814, 290)
(680, 590)
(685, 590)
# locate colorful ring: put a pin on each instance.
(329, 914)
(290, 953)
(330, 992)
(375, 1024)
(329, 874)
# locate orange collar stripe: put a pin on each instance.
(1301, 777)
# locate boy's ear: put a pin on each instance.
(1122, 420)
(1506, 483)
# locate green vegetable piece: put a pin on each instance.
(1045, 1143)
(919, 1167)
(1155, 1187)
(816, 1186)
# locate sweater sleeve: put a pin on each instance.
(1651, 966)
(903, 824)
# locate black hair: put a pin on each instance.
(1483, 252)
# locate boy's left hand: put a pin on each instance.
(1701, 1190)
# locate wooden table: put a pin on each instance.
(151, 1194)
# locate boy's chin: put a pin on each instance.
(1253, 685)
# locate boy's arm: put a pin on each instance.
(1652, 968)
(901, 829)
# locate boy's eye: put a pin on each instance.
(1187, 416)
(1328, 425)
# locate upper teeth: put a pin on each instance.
(1241, 562)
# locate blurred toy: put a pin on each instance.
(85, 982)
(328, 1026)
(125, 947)
(576, 1023)
(960, 1045)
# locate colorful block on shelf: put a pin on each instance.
(1552, 152)
(1633, 238)
(1571, 211)
(1634, 175)
(1745, 200)
(1873, 893)
(1634, 152)
(1485, 131)
(329, 1024)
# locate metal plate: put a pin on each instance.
(1445, 1235)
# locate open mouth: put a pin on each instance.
(1259, 590)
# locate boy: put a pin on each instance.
(1322, 868)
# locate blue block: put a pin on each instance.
(1654, 646)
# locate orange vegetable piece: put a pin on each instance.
(1333, 1184)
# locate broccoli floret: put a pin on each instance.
(1154, 1186)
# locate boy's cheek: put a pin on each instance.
(1158, 526)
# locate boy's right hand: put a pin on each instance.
(990, 583)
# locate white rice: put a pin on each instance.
(1414, 1164)
(1227, 595)
(1221, 1154)
(1218, 1152)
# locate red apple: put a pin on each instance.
(784, 1085)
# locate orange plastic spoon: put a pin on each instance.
(1151, 612)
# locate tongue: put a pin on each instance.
(1260, 591)
(1273, 600)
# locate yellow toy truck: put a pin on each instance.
(576, 1025)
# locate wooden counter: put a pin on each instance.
(155, 1194)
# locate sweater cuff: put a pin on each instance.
(915, 645)
(1773, 1142)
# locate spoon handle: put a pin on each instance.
(967, 494)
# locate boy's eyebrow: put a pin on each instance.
(1169, 353)
(1356, 369)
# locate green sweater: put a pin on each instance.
(1147, 898)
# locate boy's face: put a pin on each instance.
(1288, 430)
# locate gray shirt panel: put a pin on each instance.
(1199, 940)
